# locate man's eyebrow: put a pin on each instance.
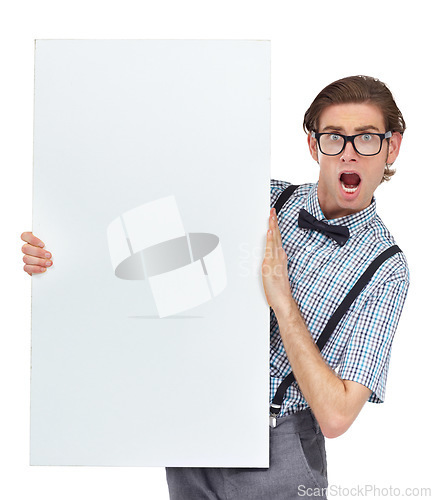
(331, 127)
(367, 127)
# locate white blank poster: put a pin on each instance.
(150, 333)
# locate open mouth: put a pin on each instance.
(350, 182)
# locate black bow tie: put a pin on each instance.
(307, 221)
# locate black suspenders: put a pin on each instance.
(276, 405)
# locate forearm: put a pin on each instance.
(324, 391)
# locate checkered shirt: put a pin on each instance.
(321, 273)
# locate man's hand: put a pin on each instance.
(274, 268)
(36, 258)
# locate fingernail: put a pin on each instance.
(43, 269)
(47, 255)
(48, 263)
(41, 244)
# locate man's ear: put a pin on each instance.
(394, 147)
(313, 147)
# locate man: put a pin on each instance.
(325, 236)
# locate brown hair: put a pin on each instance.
(357, 89)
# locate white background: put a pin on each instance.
(313, 43)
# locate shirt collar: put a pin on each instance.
(353, 222)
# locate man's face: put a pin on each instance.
(362, 174)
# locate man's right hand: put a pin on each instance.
(36, 258)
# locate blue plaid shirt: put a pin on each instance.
(321, 273)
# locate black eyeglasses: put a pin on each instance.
(365, 144)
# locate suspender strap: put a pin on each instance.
(332, 323)
(283, 197)
(353, 294)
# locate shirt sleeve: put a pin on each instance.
(367, 355)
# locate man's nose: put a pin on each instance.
(349, 153)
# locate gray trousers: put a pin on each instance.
(298, 466)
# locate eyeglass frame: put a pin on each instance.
(350, 138)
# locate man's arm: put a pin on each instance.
(334, 402)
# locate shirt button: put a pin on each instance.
(308, 248)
